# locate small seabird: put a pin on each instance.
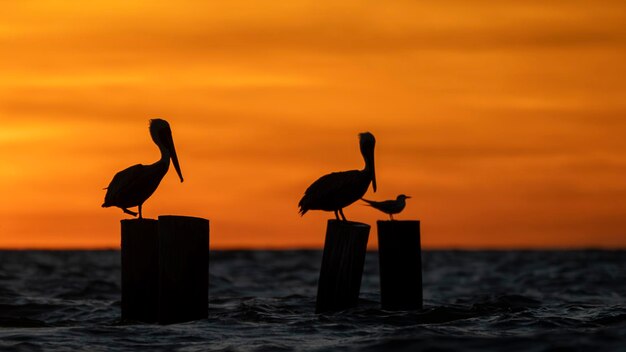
(389, 206)
(337, 190)
(131, 187)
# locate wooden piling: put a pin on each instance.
(183, 269)
(165, 269)
(140, 276)
(400, 260)
(342, 265)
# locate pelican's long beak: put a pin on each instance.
(373, 174)
(169, 144)
(175, 162)
(369, 161)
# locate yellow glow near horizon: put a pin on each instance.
(505, 121)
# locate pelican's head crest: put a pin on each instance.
(158, 125)
(159, 130)
(367, 139)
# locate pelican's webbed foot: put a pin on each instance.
(129, 212)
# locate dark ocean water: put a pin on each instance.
(264, 301)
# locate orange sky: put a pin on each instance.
(506, 121)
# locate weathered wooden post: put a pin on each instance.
(165, 269)
(400, 260)
(140, 275)
(342, 265)
(183, 269)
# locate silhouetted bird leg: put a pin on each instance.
(129, 212)
(343, 216)
(141, 217)
(336, 215)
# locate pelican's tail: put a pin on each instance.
(302, 205)
(369, 202)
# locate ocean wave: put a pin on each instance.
(265, 301)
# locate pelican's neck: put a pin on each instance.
(367, 168)
(165, 156)
(369, 162)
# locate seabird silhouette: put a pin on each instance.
(389, 206)
(133, 186)
(337, 190)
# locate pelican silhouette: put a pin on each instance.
(337, 190)
(132, 186)
(389, 206)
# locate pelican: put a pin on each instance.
(337, 190)
(389, 206)
(132, 186)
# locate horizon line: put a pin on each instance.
(320, 248)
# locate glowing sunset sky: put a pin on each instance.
(506, 121)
